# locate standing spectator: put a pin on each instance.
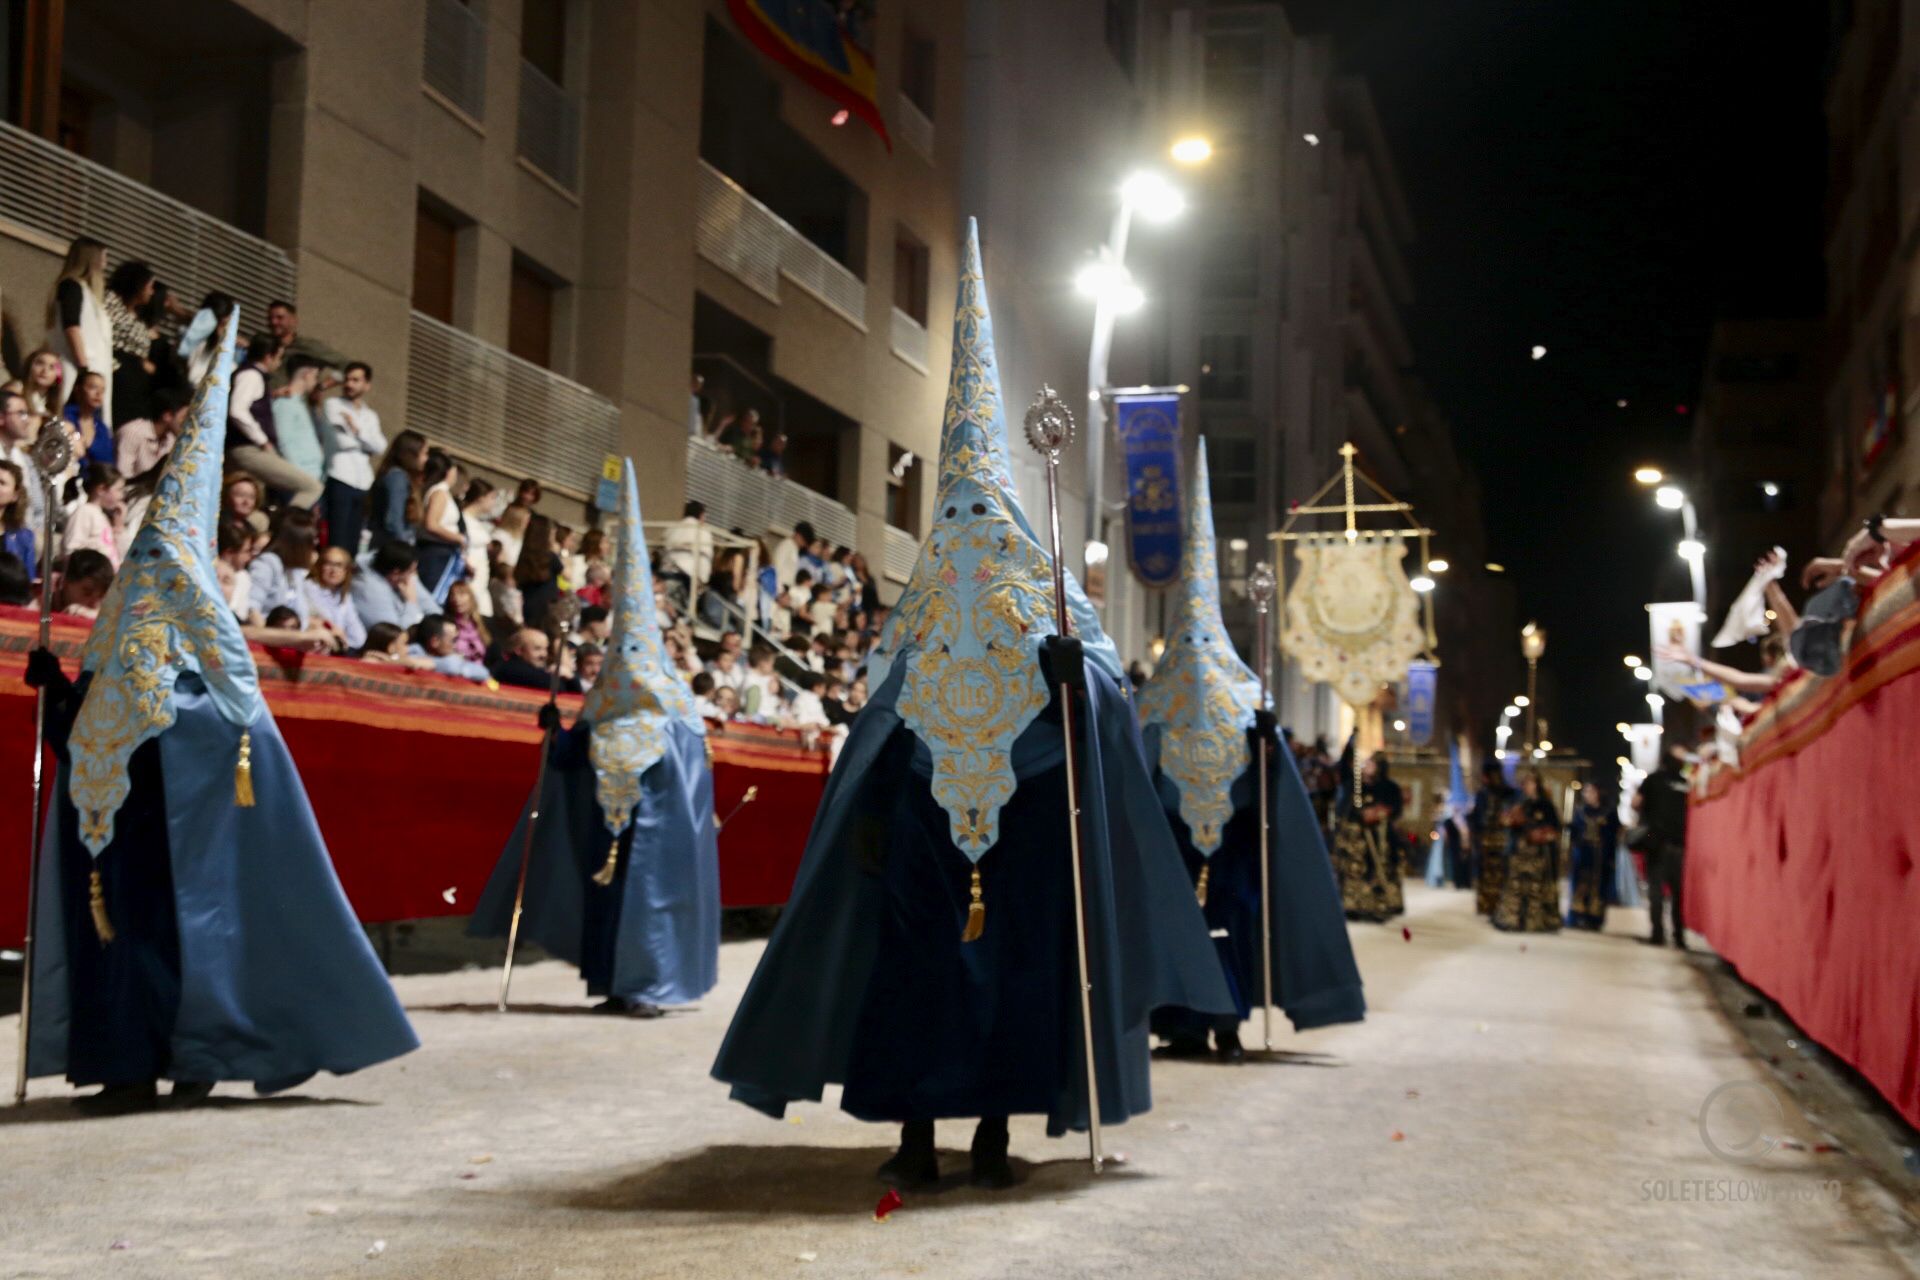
(98, 523)
(129, 291)
(726, 701)
(45, 387)
(200, 340)
(294, 426)
(442, 542)
(356, 441)
(537, 573)
(508, 606)
(689, 547)
(85, 583)
(389, 591)
(77, 329)
(1663, 837)
(144, 443)
(471, 637)
(283, 326)
(786, 556)
(695, 418)
(511, 528)
(721, 600)
(808, 711)
(86, 416)
(393, 504)
(233, 549)
(279, 571)
(16, 537)
(866, 590)
(329, 597)
(822, 610)
(16, 435)
(250, 428)
(477, 507)
(573, 567)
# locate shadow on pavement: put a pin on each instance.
(62, 1111)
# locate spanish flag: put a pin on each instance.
(828, 44)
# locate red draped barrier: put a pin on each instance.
(417, 779)
(1800, 864)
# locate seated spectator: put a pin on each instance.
(525, 664)
(285, 618)
(85, 583)
(98, 523)
(144, 443)
(807, 711)
(726, 701)
(471, 635)
(393, 504)
(389, 591)
(284, 629)
(598, 590)
(45, 387)
(593, 626)
(250, 428)
(822, 609)
(329, 597)
(241, 498)
(433, 639)
(233, 549)
(773, 454)
(16, 535)
(294, 429)
(703, 703)
(279, 571)
(721, 599)
(833, 701)
(86, 416)
(16, 585)
(728, 670)
(588, 660)
(387, 643)
(760, 691)
(355, 444)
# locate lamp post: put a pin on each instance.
(1671, 497)
(1533, 643)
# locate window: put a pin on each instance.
(543, 37)
(435, 258)
(1123, 30)
(1226, 366)
(1230, 265)
(530, 312)
(903, 489)
(1232, 462)
(910, 276)
(916, 72)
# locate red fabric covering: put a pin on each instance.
(1800, 868)
(417, 780)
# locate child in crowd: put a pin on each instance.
(703, 703)
(760, 692)
(89, 574)
(97, 524)
(587, 661)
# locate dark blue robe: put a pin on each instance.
(1314, 971)
(1593, 840)
(237, 956)
(653, 935)
(866, 983)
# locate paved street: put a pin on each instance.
(1511, 1108)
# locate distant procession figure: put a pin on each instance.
(1530, 895)
(623, 876)
(1367, 846)
(190, 926)
(1488, 833)
(1201, 725)
(927, 958)
(1593, 845)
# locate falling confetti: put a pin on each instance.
(480, 1159)
(468, 1176)
(795, 1120)
(379, 1247)
(888, 1203)
(1398, 1136)
(448, 894)
(808, 1256)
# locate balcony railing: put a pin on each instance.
(914, 128)
(902, 550)
(48, 189)
(739, 497)
(549, 138)
(908, 337)
(743, 237)
(491, 407)
(455, 63)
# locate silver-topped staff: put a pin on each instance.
(1260, 585)
(560, 619)
(52, 454)
(1050, 430)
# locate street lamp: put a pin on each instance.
(1421, 583)
(1647, 475)
(1522, 701)
(1437, 565)
(1191, 150)
(1671, 497)
(1533, 643)
(1632, 661)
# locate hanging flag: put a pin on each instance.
(1422, 677)
(1678, 624)
(1148, 428)
(827, 43)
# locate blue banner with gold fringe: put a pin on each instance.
(1422, 686)
(1148, 428)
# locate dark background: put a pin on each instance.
(1604, 178)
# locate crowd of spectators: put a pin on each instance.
(739, 432)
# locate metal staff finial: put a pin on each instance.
(1049, 430)
(52, 454)
(560, 618)
(1260, 586)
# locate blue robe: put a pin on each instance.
(653, 935)
(1592, 847)
(866, 982)
(237, 956)
(1314, 970)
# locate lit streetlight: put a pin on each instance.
(1191, 150)
(1437, 565)
(1522, 701)
(1421, 583)
(1533, 644)
(1670, 497)
(1632, 661)
(1648, 476)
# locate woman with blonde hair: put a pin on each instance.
(77, 328)
(45, 385)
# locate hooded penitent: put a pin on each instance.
(1196, 714)
(885, 974)
(221, 946)
(623, 875)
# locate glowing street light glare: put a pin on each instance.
(1545, 745)
(1671, 497)
(1128, 298)
(1655, 701)
(1511, 711)
(1643, 674)
(1495, 568)
(1421, 583)
(1522, 700)
(1191, 150)
(1539, 352)
(1096, 554)
(1236, 544)
(1769, 488)
(1399, 726)
(1692, 550)
(1152, 196)
(1437, 565)
(1312, 139)
(1649, 475)
(1632, 661)
(1624, 729)
(1623, 762)
(1538, 754)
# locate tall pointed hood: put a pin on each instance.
(638, 692)
(164, 615)
(969, 625)
(1202, 696)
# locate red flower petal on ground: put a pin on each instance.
(1406, 934)
(888, 1203)
(1399, 1136)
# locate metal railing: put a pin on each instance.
(739, 497)
(743, 237)
(908, 338)
(454, 64)
(902, 550)
(914, 128)
(492, 407)
(549, 137)
(48, 189)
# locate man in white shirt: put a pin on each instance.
(357, 442)
(786, 556)
(16, 430)
(144, 443)
(690, 550)
(249, 445)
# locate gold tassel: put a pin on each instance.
(1200, 889)
(243, 773)
(97, 903)
(604, 876)
(976, 912)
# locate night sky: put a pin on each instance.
(1605, 178)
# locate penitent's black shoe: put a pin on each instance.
(1185, 1047)
(991, 1171)
(621, 1007)
(915, 1164)
(120, 1100)
(189, 1093)
(1226, 1046)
